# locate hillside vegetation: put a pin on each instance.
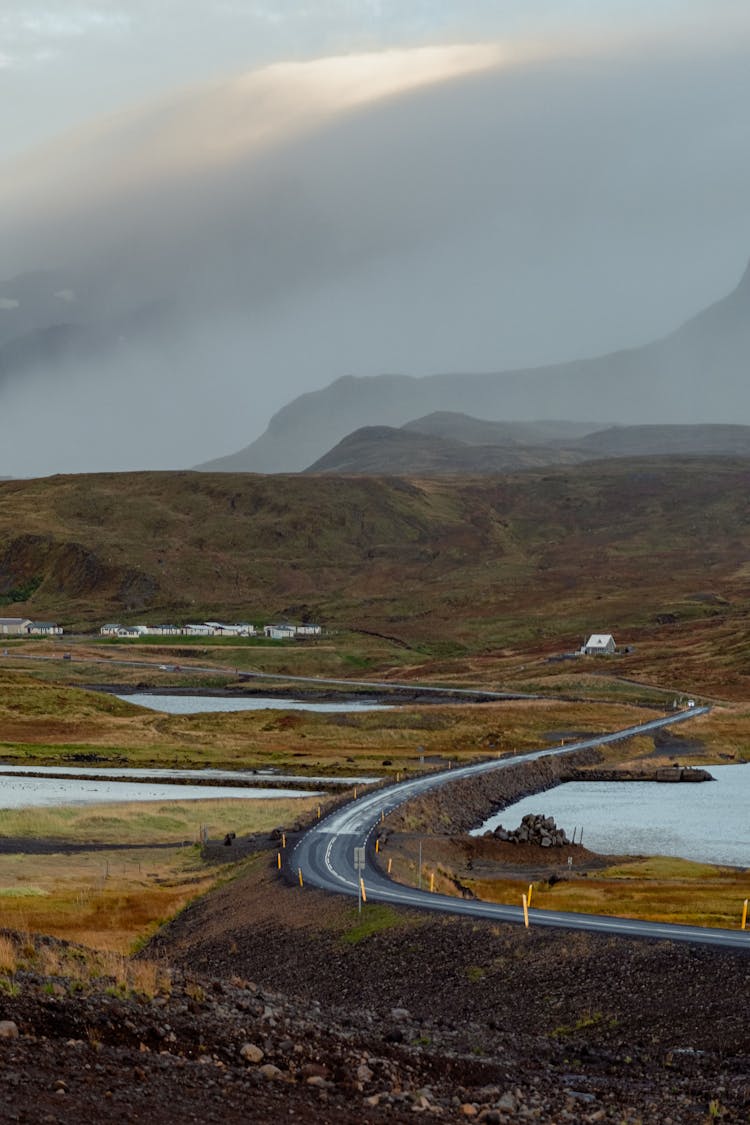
(451, 566)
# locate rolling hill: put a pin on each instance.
(386, 449)
(437, 450)
(473, 562)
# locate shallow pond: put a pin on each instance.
(201, 704)
(167, 774)
(30, 792)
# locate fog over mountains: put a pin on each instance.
(178, 275)
(700, 372)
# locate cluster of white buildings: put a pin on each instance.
(281, 632)
(25, 627)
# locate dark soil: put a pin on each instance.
(641, 1031)
(408, 1015)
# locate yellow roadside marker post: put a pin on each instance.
(531, 888)
(355, 792)
(318, 812)
(278, 860)
(377, 846)
(390, 864)
(299, 872)
(382, 816)
(525, 912)
(359, 866)
(744, 915)
(283, 839)
(432, 881)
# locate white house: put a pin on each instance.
(14, 626)
(308, 630)
(110, 630)
(600, 644)
(44, 629)
(128, 631)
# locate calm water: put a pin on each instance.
(708, 822)
(18, 793)
(165, 774)
(200, 704)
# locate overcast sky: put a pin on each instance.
(469, 185)
(64, 61)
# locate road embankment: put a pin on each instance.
(458, 806)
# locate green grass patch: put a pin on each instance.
(664, 867)
(375, 919)
(475, 973)
(22, 892)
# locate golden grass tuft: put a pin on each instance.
(8, 955)
(78, 967)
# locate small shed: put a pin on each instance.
(280, 632)
(600, 644)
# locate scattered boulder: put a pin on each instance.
(251, 1054)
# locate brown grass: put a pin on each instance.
(107, 900)
(151, 822)
(79, 967)
(708, 896)
(455, 569)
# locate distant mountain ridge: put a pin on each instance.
(410, 451)
(699, 373)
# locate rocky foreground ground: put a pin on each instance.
(281, 1006)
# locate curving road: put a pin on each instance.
(325, 855)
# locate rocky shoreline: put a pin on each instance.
(662, 774)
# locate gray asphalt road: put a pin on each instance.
(325, 855)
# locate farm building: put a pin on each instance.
(600, 644)
(44, 629)
(14, 626)
(279, 632)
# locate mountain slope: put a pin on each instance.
(476, 562)
(699, 373)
